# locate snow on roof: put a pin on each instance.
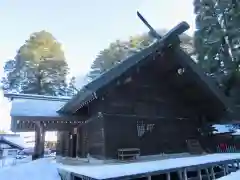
(232, 176)
(221, 129)
(17, 140)
(34, 170)
(236, 133)
(35, 107)
(35, 96)
(225, 129)
(105, 171)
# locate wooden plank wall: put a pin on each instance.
(151, 135)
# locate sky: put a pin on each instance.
(83, 27)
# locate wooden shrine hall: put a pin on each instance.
(154, 101)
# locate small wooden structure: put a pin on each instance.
(154, 100)
(127, 153)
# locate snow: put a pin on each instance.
(237, 133)
(221, 128)
(8, 161)
(118, 170)
(34, 170)
(35, 96)
(225, 129)
(16, 140)
(36, 108)
(232, 176)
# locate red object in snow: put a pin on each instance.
(223, 146)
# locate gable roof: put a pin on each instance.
(90, 91)
(27, 105)
(36, 108)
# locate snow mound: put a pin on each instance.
(35, 170)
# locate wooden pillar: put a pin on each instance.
(75, 142)
(213, 173)
(226, 169)
(59, 144)
(70, 137)
(43, 143)
(233, 166)
(199, 174)
(208, 174)
(76, 130)
(66, 139)
(237, 162)
(78, 142)
(39, 141)
(185, 174)
(180, 175)
(62, 142)
(168, 176)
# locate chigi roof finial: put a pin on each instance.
(176, 31)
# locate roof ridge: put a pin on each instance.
(88, 92)
(38, 97)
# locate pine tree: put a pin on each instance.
(38, 68)
(71, 88)
(216, 38)
(207, 37)
(118, 51)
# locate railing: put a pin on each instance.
(226, 149)
(208, 171)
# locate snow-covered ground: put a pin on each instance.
(6, 162)
(232, 176)
(34, 170)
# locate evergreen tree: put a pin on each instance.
(120, 50)
(216, 40)
(71, 88)
(38, 68)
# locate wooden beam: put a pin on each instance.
(26, 126)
